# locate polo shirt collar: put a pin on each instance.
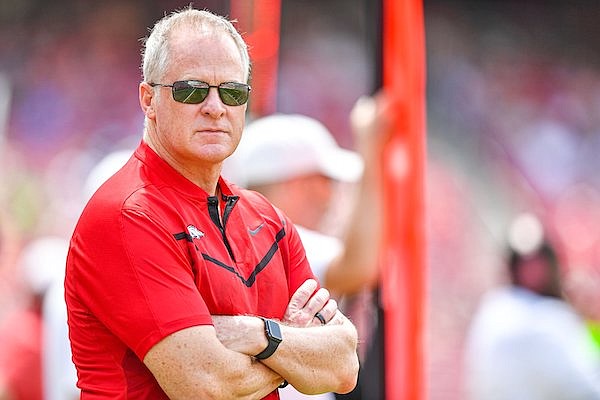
(171, 177)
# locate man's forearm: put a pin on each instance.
(318, 359)
(313, 359)
(192, 363)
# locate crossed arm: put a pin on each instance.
(216, 361)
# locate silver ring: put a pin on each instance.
(319, 316)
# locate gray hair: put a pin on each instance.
(155, 50)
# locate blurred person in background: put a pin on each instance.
(59, 373)
(296, 163)
(22, 346)
(178, 284)
(526, 341)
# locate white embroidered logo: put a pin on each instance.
(194, 232)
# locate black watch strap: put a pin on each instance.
(273, 333)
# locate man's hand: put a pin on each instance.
(312, 357)
(236, 332)
(306, 303)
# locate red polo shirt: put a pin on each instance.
(149, 257)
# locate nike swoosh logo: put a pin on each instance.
(254, 231)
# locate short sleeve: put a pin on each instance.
(138, 281)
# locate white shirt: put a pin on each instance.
(60, 376)
(529, 347)
(320, 250)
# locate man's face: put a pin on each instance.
(194, 135)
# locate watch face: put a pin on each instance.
(273, 330)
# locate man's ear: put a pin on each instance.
(146, 93)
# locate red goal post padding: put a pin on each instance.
(404, 247)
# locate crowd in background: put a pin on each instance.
(513, 97)
(513, 125)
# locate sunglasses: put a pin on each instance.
(195, 92)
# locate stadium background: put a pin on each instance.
(513, 97)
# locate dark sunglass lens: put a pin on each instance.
(184, 92)
(233, 94)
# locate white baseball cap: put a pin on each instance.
(284, 146)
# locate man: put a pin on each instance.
(295, 163)
(526, 341)
(170, 267)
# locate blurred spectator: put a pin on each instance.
(60, 376)
(58, 371)
(526, 341)
(20, 355)
(41, 263)
(296, 163)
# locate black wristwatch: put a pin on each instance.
(274, 337)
